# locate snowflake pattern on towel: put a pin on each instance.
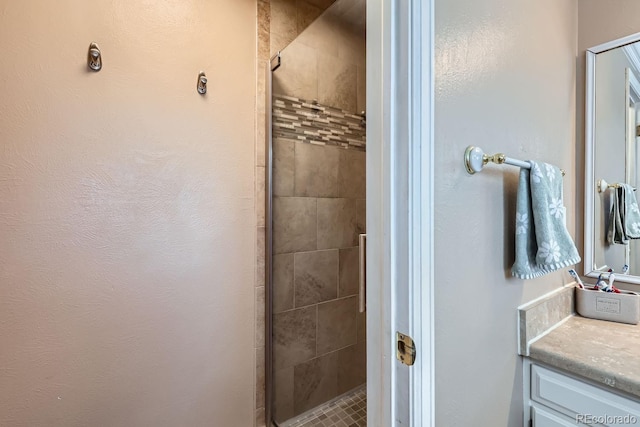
(551, 173)
(522, 223)
(550, 251)
(636, 227)
(634, 209)
(556, 209)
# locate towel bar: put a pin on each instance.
(603, 186)
(475, 159)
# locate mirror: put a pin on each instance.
(612, 152)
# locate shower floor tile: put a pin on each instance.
(349, 410)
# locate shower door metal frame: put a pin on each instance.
(268, 295)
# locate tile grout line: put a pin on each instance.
(348, 409)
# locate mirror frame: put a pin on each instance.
(590, 179)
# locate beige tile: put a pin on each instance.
(362, 89)
(344, 9)
(279, 42)
(298, 74)
(261, 87)
(315, 277)
(260, 378)
(294, 337)
(322, 36)
(353, 48)
(264, 28)
(316, 170)
(294, 224)
(537, 317)
(336, 324)
(284, 18)
(260, 256)
(261, 140)
(353, 174)
(282, 282)
(283, 394)
(361, 216)
(260, 123)
(260, 418)
(352, 367)
(306, 14)
(337, 83)
(338, 9)
(361, 319)
(260, 196)
(264, 15)
(336, 223)
(322, 4)
(353, 13)
(283, 167)
(260, 320)
(349, 271)
(315, 382)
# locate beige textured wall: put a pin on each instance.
(505, 81)
(600, 22)
(126, 214)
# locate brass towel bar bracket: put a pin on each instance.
(475, 159)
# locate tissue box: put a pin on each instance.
(623, 307)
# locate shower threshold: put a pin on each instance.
(347, 410)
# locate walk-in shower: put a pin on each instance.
(316, 211)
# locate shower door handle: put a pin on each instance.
(362, 294)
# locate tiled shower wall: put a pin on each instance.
(279, 22)
(302, 120)
(275, 30)
(289, 18)
(319, 182)
(327, 61)
(319, 335)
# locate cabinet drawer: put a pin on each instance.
(581, 401)
(543, 418)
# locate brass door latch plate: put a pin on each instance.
(405, 349)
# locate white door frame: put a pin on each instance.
(400, 208)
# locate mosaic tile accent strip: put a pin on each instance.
(301, 120)
(349, 410)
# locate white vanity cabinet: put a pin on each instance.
(544, 417)
(557, 399)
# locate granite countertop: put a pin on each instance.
(605, 352)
